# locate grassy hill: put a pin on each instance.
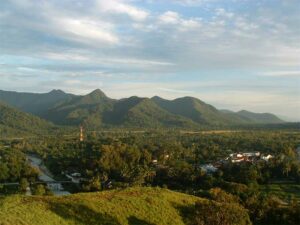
(132, 206)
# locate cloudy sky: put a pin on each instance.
(234, 54)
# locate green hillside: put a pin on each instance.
(130, 206)
(194, 109)
(143, 112)
(260, 117)
(13, 121)
(87, 110)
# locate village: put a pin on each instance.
(251, 157)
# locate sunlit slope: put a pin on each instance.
(130, 206)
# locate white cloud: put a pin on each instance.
(173, 18)
(243, 24)
(169, 17)
(65, 56)
(176, 90)
(282, 74)
(223, 13)
(119, 7)
(81, 29)
(87, 57)
(193, 2)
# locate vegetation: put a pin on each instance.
(214, 213)
(32, 102)
(15, 122)
(288, 192)
(14, 166)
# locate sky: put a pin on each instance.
(233, 54)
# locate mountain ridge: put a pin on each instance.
(96, 110)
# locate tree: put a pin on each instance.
(24, 184)
(4, 171)
(213, 213)
(219, 195)
(39, 190)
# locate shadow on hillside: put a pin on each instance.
(82, 214)
(187, 213)
(132, 220)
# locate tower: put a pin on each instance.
(81, 134)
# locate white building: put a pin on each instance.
(251, 154)
(267, 157)
(208, 168)
(237, 160)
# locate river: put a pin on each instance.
(46, 176)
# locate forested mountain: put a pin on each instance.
(33, 102)
(96, 110)
(88, 109)
(13, 121)
(143, 112)
(259, 117)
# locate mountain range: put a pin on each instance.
(96, 110)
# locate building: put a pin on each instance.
(251, 154)
(154, 161)
(208, 168)
(267, 157)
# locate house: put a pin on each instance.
(243, 157)
(208, 168)
(75, 177)
(154, 161)
(76, 174)
(267, 157)
(237, 160)
(251, 154)
(239, 155)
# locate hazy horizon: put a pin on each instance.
(235, 54)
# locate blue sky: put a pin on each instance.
(234, 54)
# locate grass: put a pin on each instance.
(284, 191)
(132, 206)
